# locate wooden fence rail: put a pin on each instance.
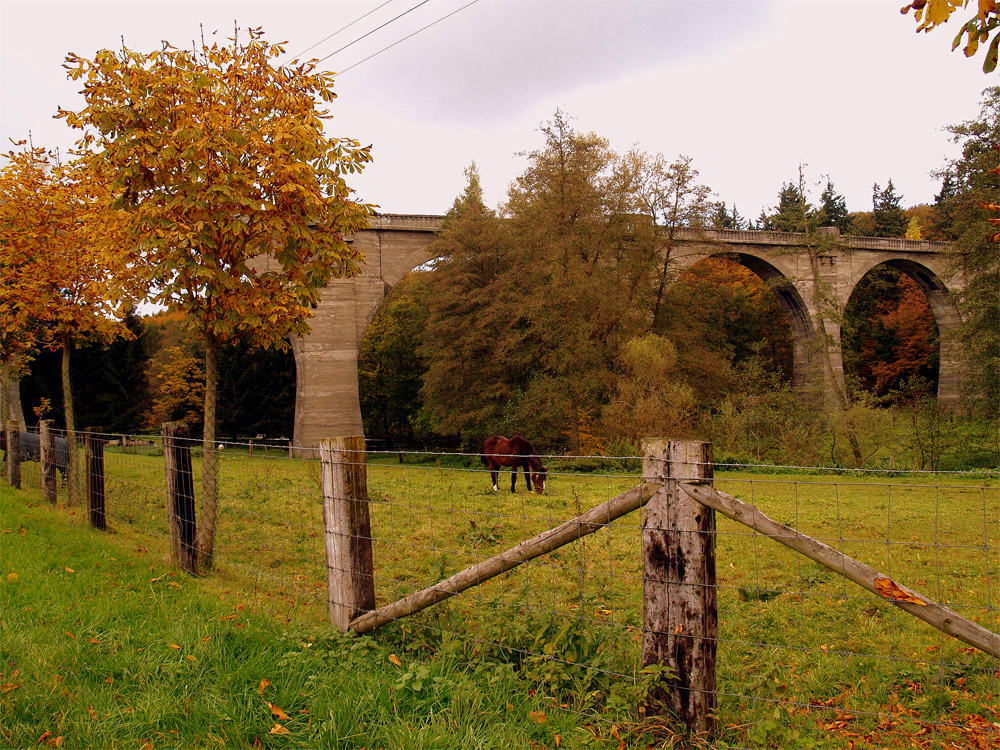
(541, 544)
(944, 619)
(680, 612)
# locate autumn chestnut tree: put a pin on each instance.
(53, 278)
(217, 157)
(22, 285)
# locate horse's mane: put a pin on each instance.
(531, 454)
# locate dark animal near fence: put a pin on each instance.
(31, 449)
(517, 453)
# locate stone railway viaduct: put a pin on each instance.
(326, 397)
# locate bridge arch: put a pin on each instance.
(792, 304)
(943, 310)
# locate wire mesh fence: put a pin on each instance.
(804, 655)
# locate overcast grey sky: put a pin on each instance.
(749, 89)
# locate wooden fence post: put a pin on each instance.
(347, 525)
(14, 453)
(94, 442)
(180, 497)
(47, 445)
(680, 616)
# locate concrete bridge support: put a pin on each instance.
(327, 402)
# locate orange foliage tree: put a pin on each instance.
(914, 338)
(217, 159)
(22, 284)
(54, 279)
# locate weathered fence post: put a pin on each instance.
(47, 453)
(680, 616)
(94, 442)
(180, 497)
(349, 566)
(14, 453)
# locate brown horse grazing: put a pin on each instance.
(516, 453)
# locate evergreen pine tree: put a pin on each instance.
(975, 187)
(833, 211)
(793, 211)
(887, 212)
(949, 189)
(721, 218)
(739, 221)
(763, 222)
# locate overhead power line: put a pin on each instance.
(424, 2)
(342, 28)
(400, 41)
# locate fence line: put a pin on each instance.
(571, 622)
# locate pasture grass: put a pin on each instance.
(105, 646)
(805, 658)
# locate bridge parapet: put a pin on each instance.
(797, 239)
(433, 223)
(407, 222)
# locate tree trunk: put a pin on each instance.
(5, 391)
(14, 392)
(209, 476)
(73, 470)
(4, 400)
(662, 288)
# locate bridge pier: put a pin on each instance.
(327, 402)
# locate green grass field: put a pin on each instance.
(806, 659)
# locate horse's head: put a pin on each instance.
(538, 478)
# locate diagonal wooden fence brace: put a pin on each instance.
(587, 523)
(941, 617)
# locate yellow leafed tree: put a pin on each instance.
(22, 285)
(217, 157)
(54, 279)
